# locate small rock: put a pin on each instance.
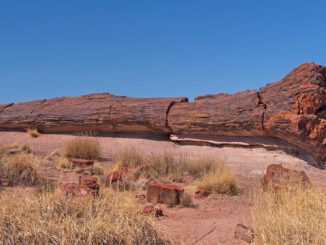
(151, 209)
(90, 182)
(5, 182)
(278, 176)
(76, 190)
(164, 192)
(201, 193)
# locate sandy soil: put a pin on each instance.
(219, 214)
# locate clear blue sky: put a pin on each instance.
(153, 48)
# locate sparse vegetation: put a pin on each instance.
(33, 132)
(186, 200)
(2, 151)
(98, 169)
(219, 181)
(19, 169)
(130, 157)
(168, 165)
(83, 148)
(296, 216)
(53, 219)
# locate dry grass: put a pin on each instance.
(83, 148)
(2, 151)
(219, 181)
(186, 200)
(290, 217)
(19, 169)
(130, 157)
(98, 169)
(54, 219)
(33, 132)
(168, 165)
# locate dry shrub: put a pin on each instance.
(65, 163)
(83, 148)
(33, 132)
(130, 157)
(19, 169)
(2, 151)
(296, 216)
(186, 200)
(53, 219)
(98, 169)
(168, 165)
(219, 181)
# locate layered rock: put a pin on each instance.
(293, 110)
(95, 113)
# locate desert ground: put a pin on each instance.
(212, 219)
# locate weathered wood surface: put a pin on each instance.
(293, 110)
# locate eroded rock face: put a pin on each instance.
(94, 112)
(293, 110)
(296, 109)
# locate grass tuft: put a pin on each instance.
(219, 181)
(130, 157)
(296, 216)
(33, 132)
(53, 219)
(20, 169)
(2, 151)
(83, 148)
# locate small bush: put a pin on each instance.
(19, 169)
(33, 132)
(186, 200)
(98, 169)
(130, 157)
(296, 216)
(83, 148)
(168, 165)
(53, 219)
(2, 151)
(219, 181)
(65, 163)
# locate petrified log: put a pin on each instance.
(293, 110)
(95, 112)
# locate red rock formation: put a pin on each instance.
(278, 176)
(293, 110)
(95, 112)
(164, 192)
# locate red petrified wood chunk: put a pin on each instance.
(164, 192)
(277, 176)
(117, 175)
(244, 233)
(151, 209)
(76, 190)
(90, 182)
(202, 192)
(81, 162)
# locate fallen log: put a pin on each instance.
(293, 110)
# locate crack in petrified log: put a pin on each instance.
(293, 110)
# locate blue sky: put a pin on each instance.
(153, 48)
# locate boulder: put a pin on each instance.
(164, 192)
(278, 176)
